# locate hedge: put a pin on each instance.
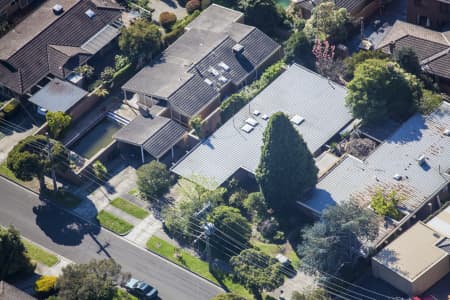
(238, 100)
(11, 108)
(193, 5)
(45, 284)
(186, 20)
(172, 36)
(167, 19)
(122, 75)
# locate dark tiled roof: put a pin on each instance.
(440, 66)
(423, 48)
(193, 95)
(165, 138)
(350, 5)
(72, 29)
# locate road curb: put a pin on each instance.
(119, 236)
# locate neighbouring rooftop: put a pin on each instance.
(315, 104)
(417, 154)
(58, 95)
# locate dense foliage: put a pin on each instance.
(380, 90)
(95, 280)
(286, 169)
(57, 122)
(100, 171)
(167, 20)
(45, 284)
(13, 256)
(298, 48)
(193, 5)
(408, 60)
(315, 294)
(385, 204)
(153, 179)
(256, 206)
(338, 238)
(257, 271)
(351, 62)
(261, 13)
(140, 40)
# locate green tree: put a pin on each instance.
(430, 101)
(107, 74)
(196, 124)
(298, 48)
(257, 271)
(85, 70)
(57, 122)
(120, 61)
(153, 179)
(351, 62)
(286, 168)
(233, 231)
(167, 20)
(96, 280)
(256, 205)
(381, 89)
(29, 158)
(228, 296)
(141, 40)
(338, 238)
(408, 60)
(328, 23)
(100, 170)
(261, 13)
(386, 204)
(13, 256)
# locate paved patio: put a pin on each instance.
(167, 5)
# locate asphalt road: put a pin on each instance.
(80, 242)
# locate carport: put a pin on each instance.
(155, 134)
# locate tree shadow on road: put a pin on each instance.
(61, 227)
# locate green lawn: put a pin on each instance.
(114, 223)
(129, 208)
(273, 249)
(123, 295)
(193, 263)
(8, 173)
(134, 192)
(38, 254)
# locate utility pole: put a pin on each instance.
(209, 231)
(50, 159)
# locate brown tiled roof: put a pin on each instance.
(432, 47)
(64, 36)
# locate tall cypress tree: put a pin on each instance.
(286, 169)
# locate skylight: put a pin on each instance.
(297, 120)
(90, 13)
(251, 122)
(247, 128)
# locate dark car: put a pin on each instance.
(141, 289)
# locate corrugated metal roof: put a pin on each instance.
(420, 135)
(100, 39)
(164, 139)
(296, 91)
(140, 129)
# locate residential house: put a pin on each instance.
(428, 13)
(215, 57)
(10, 292)
(315, 105)
(418, 258)
(51, 42)
(432, 48)
(356, 8)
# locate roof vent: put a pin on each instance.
(447, 132)
(265, 117)
(224, 66)
(256, 112)
(90, 13)
(223, 79)
(421, 160)
(251, 122)
(297, 120)
(208, 81)
(238, 49)
(57, 9)
(247, 128)
(213, 71)
(398, 177)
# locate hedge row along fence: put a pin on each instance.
(236, 101)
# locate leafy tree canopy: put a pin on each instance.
(408, 60)
(337, 239)
(286, 169)
(96, 280)
(142, 39)
(261, 13)
(353, 61)
(381, 89)
(153, 179)
(257, 271)
(13, 256)
(385, 204)
(233, 231)
(328, 22)
(57, 123)
(298, 48)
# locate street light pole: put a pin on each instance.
(50, 159)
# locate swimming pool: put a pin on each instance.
(284, 3)
(96, 138)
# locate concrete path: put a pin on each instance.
(144, 230)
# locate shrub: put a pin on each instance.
(10, 109)
(269, 228)
(123, 74)
(85, 70)
(153, 179)
(45, 284)
(107, 74)
(186, 20)
(120, 61)
(196, 124)
(167, 20)
(430, 101)
(100, 170)
(172, 36)
(57, 122)
(232, 105)
(386, 204)
(192, 6)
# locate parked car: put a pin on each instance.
(141, 289)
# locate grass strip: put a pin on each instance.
(38, 254)
(130, 208)
(114, 223)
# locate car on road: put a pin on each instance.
(141, 289)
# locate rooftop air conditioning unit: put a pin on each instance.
(297, 120)
(398, 177)
(238, 49)
(421, 160)
(57, 9)
(90, 13)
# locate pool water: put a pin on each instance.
(96, 138)
(284, 3)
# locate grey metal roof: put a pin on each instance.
(420, 135)
(164, 139)
(101, 39)
(215, 18)
(298, 91)
(140, 129)
(58, 95)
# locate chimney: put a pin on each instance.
(238, 49)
